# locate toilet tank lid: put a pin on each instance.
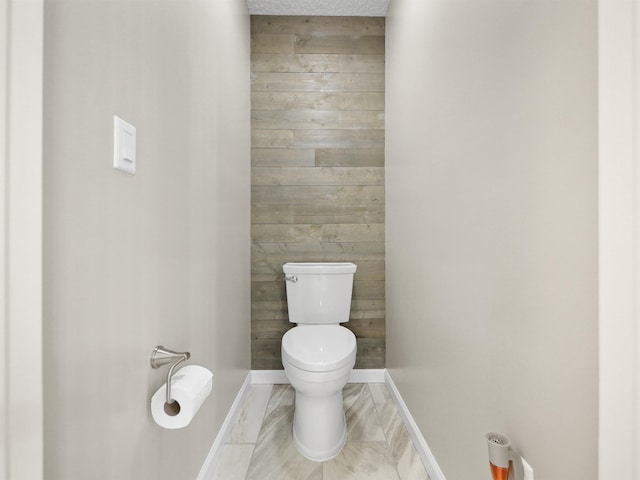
(317, 268)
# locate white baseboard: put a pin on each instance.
(268, 377)
(429, 461)
(218, 444)
(367, 375)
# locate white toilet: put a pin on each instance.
(318, 354)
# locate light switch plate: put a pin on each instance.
(124, 146)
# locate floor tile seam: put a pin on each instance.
(403, 426)
(253, 452)
(264, 413)
(375, 406)
(262, 419)
(396, 461)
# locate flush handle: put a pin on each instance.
(291, 278)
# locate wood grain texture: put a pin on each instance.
(317, 82)
(283, 157)
(318, 25)
(300, 63)
(310, 213)
(355, 63)
(295, 119)
(272, 138)
(350, 157)
(345, 44)
(317, 176)
(326, 232)
(338, 138)
(318, 195)
(272, 44)
(339, 101)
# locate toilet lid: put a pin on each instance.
(319, 348)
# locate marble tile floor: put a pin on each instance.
(260, 445)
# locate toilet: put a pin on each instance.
(318, 354)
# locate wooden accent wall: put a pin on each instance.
(317, 169)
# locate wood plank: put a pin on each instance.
(301, 195)
(272, 138)
(318, 233)
(370, 353)
(318, 24)
(269, 310)
(295, 119)
(371, 120)
(316, 119)
(282, 157)
(317, 176)
(309, 213)
(317, 82)
(345, 44)
(280, 253)
(368, 289)
(269, 329)
(268, 43)
(367, 308)
(367, 328)
(339, 139)
(295, 100)
(350, 157)
(265, 354)
(265, 291)
(361, 101)
(310, 63)
(355, 63)
(317, 101)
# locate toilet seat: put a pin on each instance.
(319, 348)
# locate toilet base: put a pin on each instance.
(319, 422)
(319, 456)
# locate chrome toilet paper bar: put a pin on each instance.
(163, 356)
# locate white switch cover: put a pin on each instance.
(124, 146)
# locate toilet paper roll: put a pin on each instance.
(190, 386)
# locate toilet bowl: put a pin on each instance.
(317, 360)
(318, 354)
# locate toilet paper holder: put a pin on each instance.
(163, 356)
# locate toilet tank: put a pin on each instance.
(319, 293)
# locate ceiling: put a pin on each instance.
(321, 8)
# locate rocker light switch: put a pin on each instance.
(124, 146)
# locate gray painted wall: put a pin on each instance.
(491, 233)
(161, 257)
